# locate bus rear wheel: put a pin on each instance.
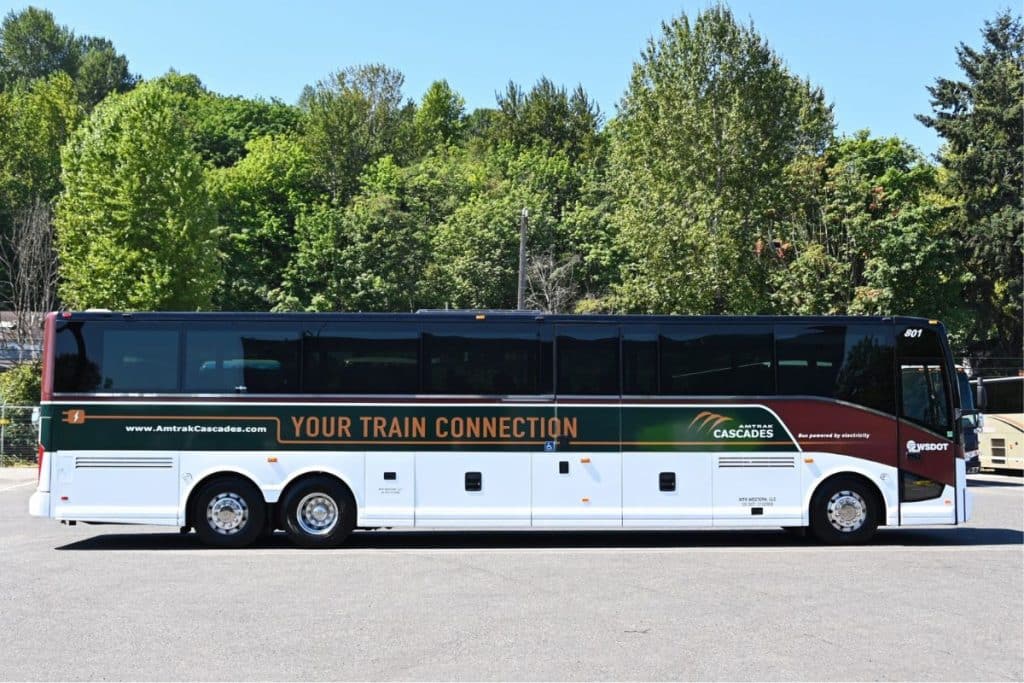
(844, 511)
(228, 512)
(318, 512)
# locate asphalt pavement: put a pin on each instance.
(144, 603)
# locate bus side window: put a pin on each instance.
(363, 358)
(587, 360)
(257, 360)
(716, 360)
(479, 359)
(639, 361)
(847, 362)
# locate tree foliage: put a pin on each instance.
(33, 46)
(259, 200)
(20, 385)
(354, 117)
(705, 133)
(35, 121)
(980, 119)
(134, 223)
(718, 187)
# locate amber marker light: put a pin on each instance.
(481, 316)
(585, 500)
(808, 460)
(585, 460)
(272, 458)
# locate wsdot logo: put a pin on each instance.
(915, 447)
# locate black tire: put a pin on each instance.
(318, 512)
(228, 512)
(845, 511)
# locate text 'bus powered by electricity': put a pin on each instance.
(318, 424)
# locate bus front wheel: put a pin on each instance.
(844, 511)
(228, 512)
(319, 512)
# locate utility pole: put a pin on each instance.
(521, 299)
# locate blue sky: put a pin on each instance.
(873, 58)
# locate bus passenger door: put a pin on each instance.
(928, 462)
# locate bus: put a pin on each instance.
(1002, 436)
(236, 425)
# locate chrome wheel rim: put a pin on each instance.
(317, 514)
(847, 511)
(227, 513)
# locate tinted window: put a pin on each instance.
(361, 358)
(639, 361)
(924, 396)
(851, 363)
(725, 360)
(482, 358)
(925, 386)
(1005, 396)
(111, 357)
(262, 360)
(587, 360)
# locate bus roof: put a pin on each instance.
(492, 315)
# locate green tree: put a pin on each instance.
(475, 250)
(373, 255)
(35, 121)
(135, 221)
(885, 244)
(259, 200)
(354, 117)
(546, 116)
(101, 70)
(980, 117)
(439, 118)
(708, 126)
(814, 283)
(33, 45)
(224, 126)
(20, 385)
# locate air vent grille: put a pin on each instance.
(133, 462)
(781, 461)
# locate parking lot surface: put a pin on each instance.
(125, 602)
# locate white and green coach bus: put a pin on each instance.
(238, 424)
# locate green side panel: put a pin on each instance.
(501, 427)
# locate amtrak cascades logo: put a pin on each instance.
(915, 447)
(718, 426)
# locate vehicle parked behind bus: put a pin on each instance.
(1001, 400)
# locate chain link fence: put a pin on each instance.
(18, 435)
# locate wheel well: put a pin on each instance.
(304, 477)
(872, 487)
(189, 504)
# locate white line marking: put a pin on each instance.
(18, 486)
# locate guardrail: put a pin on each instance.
(18, 435)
